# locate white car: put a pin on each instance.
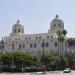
(34, 73)
(67, 70)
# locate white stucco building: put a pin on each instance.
(32, 43)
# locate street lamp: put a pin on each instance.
(2, 47)
(43, 47)
(12, 56)
(43, 44)
(19, 48)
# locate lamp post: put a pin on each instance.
(12, 56)
(19, 49)
(1, 53)
(43, 44)
(43, 47)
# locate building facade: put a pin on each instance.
(33, 43)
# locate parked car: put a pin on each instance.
(34, 73)
(67, 70)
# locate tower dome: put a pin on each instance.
(17, 28)
(56, 24)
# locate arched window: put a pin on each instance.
(54, 25)
(47, 44)
(9, 45)
(51, 36)
(20, 46)
(40, 37)
(15, 30)
(34, 45)
(31, 45)
(58, 25)
(19, 30)
(22, 30)
(36, 37)
(47, 37)
(51, 41)
(23, 45)
(42, 45)
(18, 38)
(55, 44)
(25, 38)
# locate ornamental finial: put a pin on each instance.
(18, 21)
(56, 16)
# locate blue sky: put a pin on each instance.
(36, 15)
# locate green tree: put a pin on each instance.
(71, 43)
(44, 60)
(63, 61)
(6, 58)
(19, 58)
(54, 60)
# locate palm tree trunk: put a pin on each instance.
(62, 47)
(58, 46)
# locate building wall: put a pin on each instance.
(52, 45)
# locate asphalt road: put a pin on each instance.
(47, 73)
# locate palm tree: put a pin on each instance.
(64, 32)
(61, 35)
